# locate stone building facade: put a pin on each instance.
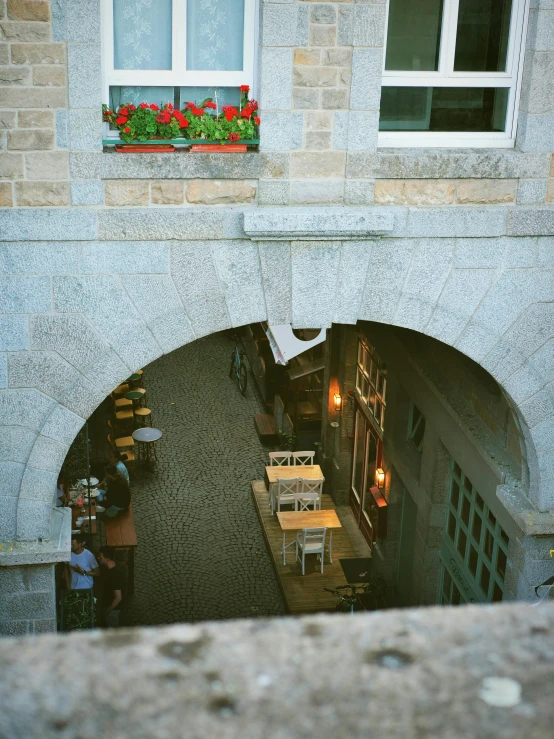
(108, 261)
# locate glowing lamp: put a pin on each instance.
(380, 477)
(338, 401)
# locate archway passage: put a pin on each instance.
(201, 553)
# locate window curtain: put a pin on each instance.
(142, 34)
(215, 35)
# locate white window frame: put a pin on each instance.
(446, 77)
(178, 76)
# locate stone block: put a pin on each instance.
(531, 221)
(531, 192)
(18, 606)
(550, 191)
(59, 20)
(41, 578)
(414, 192)
(305, 98)
(49, 76)
(282, 131)
(369, 25)
(322, 223)
(45, 371)
(363, 127)
(39, 484)
(54, 225)
(334, 99)
(536, 92)
(494, 253)
(4, 53)
(193, 271)
(540, 34)
(62, 129)
(545, 252)
(6, 195)
(87, 192)
(302, 26)
(323, 13)
(24, 294)
(107, 372)
(156, 298)
(323, 35)
(388, 266)
(345, 25)
(38, 258)
(8, 519)
(232, 223)
(279, 25)
(42, 194)
(316, 192)
(15, 76)
(365, 93)
(83, 21)
(319, 120)
(83, 67)
(11, 474)
(30, 140)
(52, 165)
(486, 191)
(45, 626)
(337, 57)
(354, 261)
(11, 166)
(208, 316)
(305, 76)
(7, 119)
(315, 267)
(276, 276)
(307, 56)
(14, 334)
(535, 133)
(447, 222)
(126, 257)
(35, 119)
(238, 267)
(219, 192)
(28, 10)
(85, 130)
(29, 32)
(38, 53)
(306, 165)
(168, 192)
(25, 408)
(62, 425)
(359, 192)
(273, 192)
(33, 97)
(16, 443)
(275, 79)
(3, 371)
(127, 192)
(318, 140)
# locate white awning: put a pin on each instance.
(285, 345)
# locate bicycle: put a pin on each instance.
(238, 367)
(347, 601)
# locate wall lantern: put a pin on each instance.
(380, 477)
(338, 401)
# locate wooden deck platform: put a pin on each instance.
(302, 593)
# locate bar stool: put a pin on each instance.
(143, 417)
(134, 381)
(121, 403)
(137, 397)
(124, 416)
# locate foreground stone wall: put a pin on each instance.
(471, 671)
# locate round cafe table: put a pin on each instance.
(146, 438)
(136, 396)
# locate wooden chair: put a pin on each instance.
(121, 404)
(279, 459)
(285, 492)
(121, 442)
(121, 389)
(312, 490)
(311, 541)
(125, 416)
(303, 459)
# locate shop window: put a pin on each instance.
(416, 427)
(161, 51)
(479, 541)
(371, 381)
(451, 74)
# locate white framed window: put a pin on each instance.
(157, 50)
(452, 72)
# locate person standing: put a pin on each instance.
(83, 567)
(114, 585)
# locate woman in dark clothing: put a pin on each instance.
(118, 494)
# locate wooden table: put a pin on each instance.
(121, 534)
(76, 513)
(307, 471)
(297, 520)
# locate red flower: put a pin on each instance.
(246, 112)
(253, 104)
(153, 107)
(189, 106)
(244, 88)
(197, 111)
(144, 105)
(127, 129)
(132, 107)
(121, 120)
(257, 121)
(124, 111)
(184, 123)
(234, 137)
(210, 105)
(230, 112)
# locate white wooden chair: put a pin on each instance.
(305, 500)
(311, 541)
(285, 492)
(302, 459)
(311, 488)
(279, 459)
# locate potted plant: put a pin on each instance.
(147, 127)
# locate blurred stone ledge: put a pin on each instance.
(473, 671)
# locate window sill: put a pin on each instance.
(425, 140)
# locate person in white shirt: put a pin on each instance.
(83, 566)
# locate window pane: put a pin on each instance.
(466, 507)
(413, 38)
(470, 109)
(158, 95)
(196, 95)
(455, 494)
(478, 501)
(476, 527)
(446, 584)
(485, 578)
(501, 564)
(468, 485)
(504, 536)
(482, 35)
(472, 560)
(457, 470)
(455, 596)
(496, 593)
(492, 518)
(451, 526)
(462, 540)
(142, 34)
(215, 34)
(488, 544)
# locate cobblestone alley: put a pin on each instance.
(201, 552)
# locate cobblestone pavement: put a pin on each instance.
(201, 552)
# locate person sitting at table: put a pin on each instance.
(62, 493)
(117, 496)
(83, 566)
(114, 585)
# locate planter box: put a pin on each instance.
(219, 148)
(141, 147)
(168, 145)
